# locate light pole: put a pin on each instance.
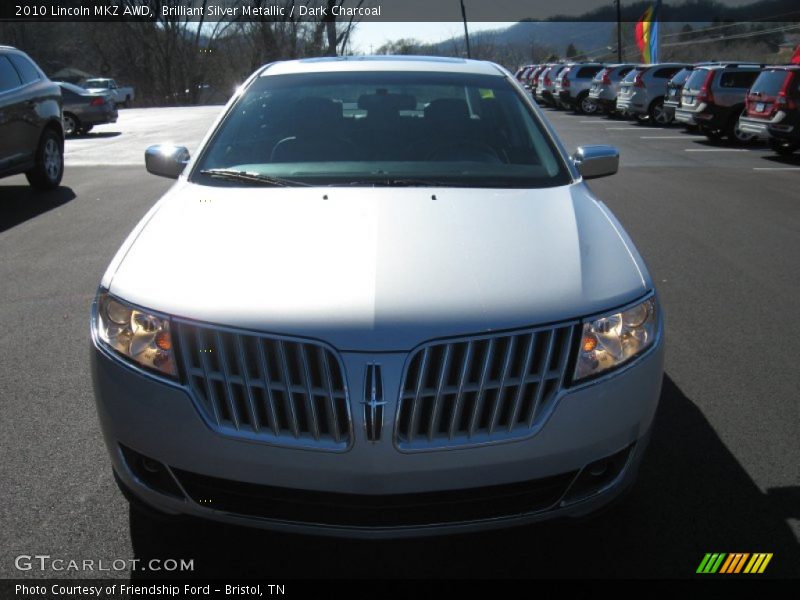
(619, 30)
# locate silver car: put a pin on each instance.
(642, 92)
(545, 87)
(380, 301)
(573, 84)
(84, 109)
(605, 85)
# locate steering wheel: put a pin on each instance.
(486, 151)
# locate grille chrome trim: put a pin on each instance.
(483, 389)
(373, 402)
(268, 388)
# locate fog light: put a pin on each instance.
(151, 473)
(596, 477)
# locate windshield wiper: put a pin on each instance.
(235, 175)
(402, 182)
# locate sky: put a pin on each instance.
(369, 37)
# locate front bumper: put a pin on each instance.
(603, 94)
(783, 126)
(591, 422)
(100, 117)
(632, 105)
(757, 127)
(687, 117)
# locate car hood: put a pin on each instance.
(377, 268)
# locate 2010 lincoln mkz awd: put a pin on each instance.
(380, 300)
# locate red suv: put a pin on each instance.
(773, 108)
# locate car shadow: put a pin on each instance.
(789, 161)
(18, 203)
(692, 497)
(94, 134)
(702, 140)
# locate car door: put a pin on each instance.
(34, 99)
(12, 127)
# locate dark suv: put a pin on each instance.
(773, 108)
(672, 101)
(31, 134)
(713, 99)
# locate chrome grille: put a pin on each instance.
(280, 390)
(481, 389)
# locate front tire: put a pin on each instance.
(49, 168)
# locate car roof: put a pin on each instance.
(332, 64)
(660, 65)
(11, 49)
(735, 65)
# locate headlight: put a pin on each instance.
(614, 339)
(138, 336)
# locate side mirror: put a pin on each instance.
(596, 161)
(165, 160)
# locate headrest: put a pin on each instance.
(318, 108)
(385, 102)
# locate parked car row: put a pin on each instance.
(733, 100)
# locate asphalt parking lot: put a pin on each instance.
(720, 229)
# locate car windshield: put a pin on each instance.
(681, 77)
(98, 83)
(696, 79)
(632, 74)
(382, 128)
(769, 83)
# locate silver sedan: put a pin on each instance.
(82, 109)
(380, 301)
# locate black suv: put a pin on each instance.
(31, 134)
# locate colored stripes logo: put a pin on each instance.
(737, 562)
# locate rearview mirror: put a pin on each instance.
(596, 161)
(165, 160)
